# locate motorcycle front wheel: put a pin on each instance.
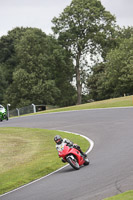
(73, 162)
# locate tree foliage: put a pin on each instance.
(114, 78)
(40, 69)
(7, 51)
(3, 83)
(84, 27)
(119, 69)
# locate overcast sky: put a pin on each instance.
(39, 13)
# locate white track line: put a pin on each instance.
(89, 140)
(89, 150)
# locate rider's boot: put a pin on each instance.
(63, 160)
(82, 153)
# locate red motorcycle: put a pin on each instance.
(72, 156)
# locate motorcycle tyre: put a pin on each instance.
(69, 160)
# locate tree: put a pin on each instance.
(119, 69)
(42, 72)
(3, 83)
(83, 28)
(8, 59)
(113, 78)
(27, 89)
(62, 71)
(95, 81)
(100, 84)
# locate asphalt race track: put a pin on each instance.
(111, 168)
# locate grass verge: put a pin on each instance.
(124, 196)
(28, 154)
(126, 101)
(116, 102)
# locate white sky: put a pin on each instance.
(39, 13)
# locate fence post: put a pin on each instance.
(8, 109)
(17, 111)
(34, 108)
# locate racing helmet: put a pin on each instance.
(58, 139)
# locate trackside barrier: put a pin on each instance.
(26, 110)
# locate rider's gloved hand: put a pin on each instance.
(70, 144)
(76, 146)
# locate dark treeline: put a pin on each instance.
(39, 68)
(34, 68)
(114, 77)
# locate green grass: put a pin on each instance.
(124, 196)
(28, 154)
(126, 101)
(116, 102)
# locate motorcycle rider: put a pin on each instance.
(59, 141)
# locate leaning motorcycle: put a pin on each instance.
(72, 156)
(3, 113)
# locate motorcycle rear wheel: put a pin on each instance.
(73, 163)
